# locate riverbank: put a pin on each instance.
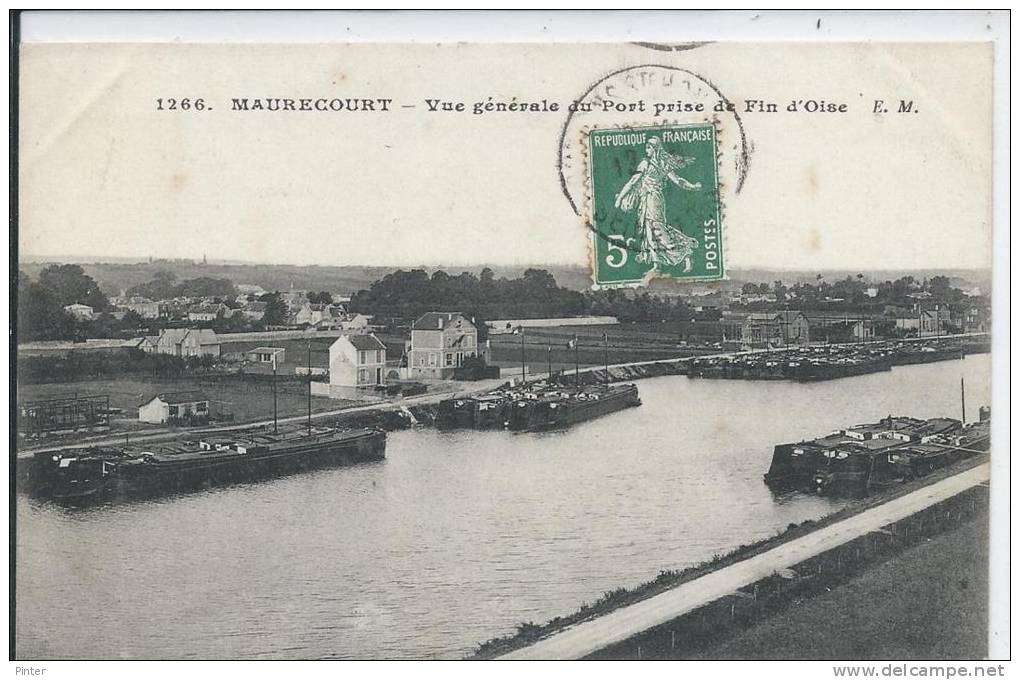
(928, 602)
(874, 585)
(711, 621)
(803, 364)
(249, 403)
(385, 414)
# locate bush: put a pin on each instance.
(77, 365)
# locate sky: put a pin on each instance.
(103, 173)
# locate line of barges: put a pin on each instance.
(828, 362)
(530, 408)
(864, 458)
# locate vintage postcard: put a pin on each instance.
(365, 348)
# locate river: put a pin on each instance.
(453, 539)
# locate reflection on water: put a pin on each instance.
(454, 539)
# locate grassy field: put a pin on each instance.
(627, 343)
(295, 351)
(930, 602)
(245, 400)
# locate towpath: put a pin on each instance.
(590, 636)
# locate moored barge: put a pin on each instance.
(242, 456)
(457, 413)
(535, 407)
(562, 408)
(864, 458)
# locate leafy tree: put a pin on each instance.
(206, 286)
(408, 294)
(941, 289)
(322, 297)
(276, 310)
(70, 284)
(132, 319)
(161, 287)
(235, 323)
(164, 286)
(103, 326)
(480, 325)
(40, 315)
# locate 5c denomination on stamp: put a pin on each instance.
(654, 203)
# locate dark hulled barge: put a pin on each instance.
(185, 464)
(563, 408)
(492, 411)
(808, 363)
(454, 414)
(535, 407)
(864, 458)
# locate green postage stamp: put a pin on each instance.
(654, 201)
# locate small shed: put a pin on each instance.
(190, 407)
(264, 355)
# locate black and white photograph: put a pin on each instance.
(616, 336)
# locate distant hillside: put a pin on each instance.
(114, 277)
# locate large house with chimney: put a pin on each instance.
(357, 362)
(440, 342)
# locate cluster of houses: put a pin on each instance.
(440, 343)
(790, 327)
(301, 312)
(923, 317)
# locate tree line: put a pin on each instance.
(856, 293)
(404, 295)
(165, 286)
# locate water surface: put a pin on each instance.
(453, 539)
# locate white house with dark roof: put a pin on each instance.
(80, 312)
(356, 361)
(209, 312)
(189, 407)
(440, 342)
(266, 355)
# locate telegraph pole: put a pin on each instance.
(963, 403)
(549, 359)
(577, 365)
(309, 386)
(605, 353)
(523, 376)
(275, 424)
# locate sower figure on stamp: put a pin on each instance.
(661, 242)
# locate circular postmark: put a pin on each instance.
(654, 205)
(644, 94)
